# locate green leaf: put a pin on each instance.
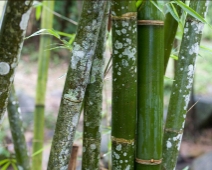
(206, 49)
(38, 12)
(5, 166)
(174, 57)
(54, 33)
(190, 11)
(4, 161)
(14, 166)
(186, 168)
(138, 3)
(167, 78)
(161, 10)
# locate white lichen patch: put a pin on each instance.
(116, 155)
(185, 30)
(75, 120)
(118, 147)
(24, 20)
(118, 45)
(93, 146)
(194, 49)
(96, 69)
(130, 53)
(199, 27)
(128, 167)
(125, 154)
(168, 144)
(177, 138)
(4, 68)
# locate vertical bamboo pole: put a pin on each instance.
(13, 27)
(17, 131)
(77, 80)
(182, 85)
(124, 83)
(150, 87)
(43, 64)
(93, 104)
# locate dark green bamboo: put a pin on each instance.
(77, 80)
(124, 83)
(170, 29)
(13, 26)
(17, 131)
(182, 85)
(43, 64)
(93, 105)
(150, 87)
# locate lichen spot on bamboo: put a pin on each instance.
(194, 49)
(118, 45)
(93, 146)
(199, 27)
(24, 20)
(168, 144)
(118, 147)
(4, 68)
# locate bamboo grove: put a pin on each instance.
(142, 40)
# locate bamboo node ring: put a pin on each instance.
(121, 140)
(150, 22)
(174, 131)
(149, 162)
(127, 16)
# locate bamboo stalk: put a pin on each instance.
(43, 64)
(17, 131)
(13, 28)
(76, 82)
(170, 29)
(150, 87)
(182, 85)
(124, 83)
(93, 105)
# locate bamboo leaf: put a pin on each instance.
(174, 57)
(38, 12)
(159, 8)
(186, 168)
(3, 161)
(138, 3)
(6, 166)
(172, 12)
(206, 49)
(54, 33)
(14, 166)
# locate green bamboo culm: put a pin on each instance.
(182, 85)
(124, 83)
(17, 131)
(43, 64)
(93, 104)
(77, 79)
(170, 29)
(13, 27)
(150, 87)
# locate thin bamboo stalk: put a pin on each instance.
(93, 104)
(150, 87)
(76, 82)
(182, 85)
(13, 28)
(17, 131)
(170, 29)
(43, 64)
(124, 83)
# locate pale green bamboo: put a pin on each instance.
(93, 105)
(13, 27)
(76, 82)
(124, 83)
(17, 131)
(43, 64)
(182, 85)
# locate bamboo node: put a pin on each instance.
(175, 131)
(121, 140)
(150, 22)
(149, 162)
(127, 16)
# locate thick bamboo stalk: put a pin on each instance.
(124, 83)
(43, 64)
(170, 29)
(93, 105)
(17, 131)
(150, 87)
(13, 28)
(76, 82)
(182, 85)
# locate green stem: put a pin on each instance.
(76, 82)
(13, 28)
(93, 105)
(124, 83)
(17, 131)
(150, 87)
(182, 85)
(43, 64)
